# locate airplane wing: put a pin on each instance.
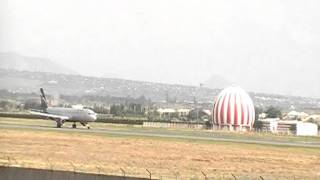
(49, 115)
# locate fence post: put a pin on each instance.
(50, 164)
(176, 174)
(73, 166)
(99, 169)
(123, 172)
(149, 173)
(9, 161)
(205, 175)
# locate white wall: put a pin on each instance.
(307, 129)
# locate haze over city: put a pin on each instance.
(262, 46)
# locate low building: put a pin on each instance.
(207, 112)
(294, 115)
(166, 113)
(182, 113)
(314, 118)
(262, 116)
(173, 124)
(269, 125)
(77, 106)
(295, 127)
(306, 129)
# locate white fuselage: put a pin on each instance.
(74, 115)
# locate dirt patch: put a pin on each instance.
(166, 159)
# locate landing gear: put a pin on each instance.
(85, 124)
(74, 125)
(59, 125)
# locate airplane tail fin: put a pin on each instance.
(44, 103)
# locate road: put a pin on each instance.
(163, 133)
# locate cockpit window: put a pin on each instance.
(90, 112)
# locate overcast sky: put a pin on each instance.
(266, 46)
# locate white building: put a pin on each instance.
(183, 112)
(290, 127)
(166, 113)
(306, 129)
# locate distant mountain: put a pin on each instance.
(14, 61)
(54, 83)
(84, 86)
(110, 75)
(217, 82)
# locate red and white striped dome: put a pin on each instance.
(234, 107)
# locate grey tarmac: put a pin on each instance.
(162, 134)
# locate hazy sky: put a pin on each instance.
(266, 46)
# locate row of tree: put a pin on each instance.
(131, 109)
(271, 112)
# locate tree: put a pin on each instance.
(7, 105)
(117, 110)
(153, 114)
(311, 120)
(101, 109)
(258, 111)
(257, 124)
(32, 104)
(197, 114)
(273, 112)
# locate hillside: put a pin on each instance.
(25, 81)
(76, 85)
(217, 81)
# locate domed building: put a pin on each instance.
(234, 110)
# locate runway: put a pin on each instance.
(165, 133)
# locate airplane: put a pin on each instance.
(62, 115)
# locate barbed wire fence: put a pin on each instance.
(99, 169)
(205, 175)
(123, 172)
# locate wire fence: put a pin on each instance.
(144, 173)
